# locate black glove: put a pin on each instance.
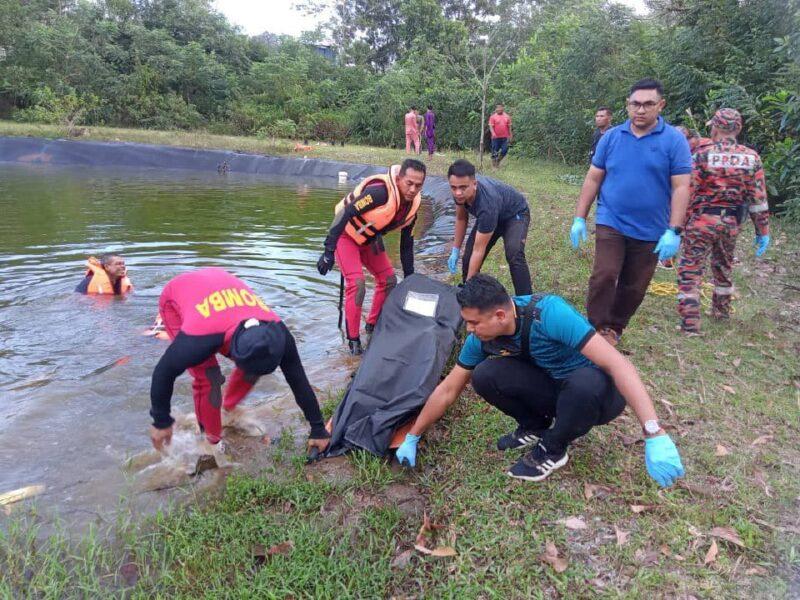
(325, 262)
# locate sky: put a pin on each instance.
(278, 16)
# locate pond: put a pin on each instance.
(75, 370)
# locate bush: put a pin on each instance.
(282, 128)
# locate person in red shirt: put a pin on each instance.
(411, 122)
(502, 134)
(210, 311)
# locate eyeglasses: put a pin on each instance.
(635, 106)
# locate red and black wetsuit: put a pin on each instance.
(201, 310)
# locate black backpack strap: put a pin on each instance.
(530, 313)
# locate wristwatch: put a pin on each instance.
(651, 427)
(677, 230)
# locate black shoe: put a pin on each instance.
(537, 464)
(369, 328)
(519, 438)
(355, 347)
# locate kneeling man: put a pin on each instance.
(539, 361)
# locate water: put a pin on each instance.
(70, 416)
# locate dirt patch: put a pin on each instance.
(336, 470)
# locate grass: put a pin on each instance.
(345, 534)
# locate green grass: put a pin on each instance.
(732, 386)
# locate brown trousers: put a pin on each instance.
(623, 268)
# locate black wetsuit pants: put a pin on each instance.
(572, 406)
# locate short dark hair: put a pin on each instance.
(648, 83)
(483, 292)
(604, 109)
(413, 163)
(106, 259)
(430, 106)
(461, 168)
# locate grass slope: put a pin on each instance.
(347, 529)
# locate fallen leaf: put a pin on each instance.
(573, 523)
(630, 440)
(664, 549)
(282, 548)
(729, 389)
(427, 527)
(444, 551)
(721, 450)
(737, 362)
(590, 490)
(761, 479)
(762, 439)
(622, 536)
(129, 573)
(401, 560)
(423, 549)
(729, 534)
(551, 557)
(695, 531)
(597, 582)
(640, 508)
(698, 488)
(645, 557)
(266, 440)
(756, 571)
(711, 555)
(678, 557)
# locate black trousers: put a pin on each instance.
(514, 232)
(570, 407)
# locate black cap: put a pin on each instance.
(257, 346)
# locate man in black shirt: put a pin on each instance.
(500, 211)
(602, 122)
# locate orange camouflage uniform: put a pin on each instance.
(727, 184)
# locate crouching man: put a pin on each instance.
(540, 361)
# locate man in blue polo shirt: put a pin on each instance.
(539, 361)
(642, 170)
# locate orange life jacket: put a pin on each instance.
(364, 228)
(101, 283)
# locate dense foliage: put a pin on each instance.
(180, 64)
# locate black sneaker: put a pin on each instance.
(355, 347)
(519, 438)
(369, 328)
(537, 464)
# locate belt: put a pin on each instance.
(727, 211)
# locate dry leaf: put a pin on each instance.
(129, 573)
(573, 523)
(664, 549)
(622, 536)
(695, 531)
(737, 362)
(427, 527)
(639, 508)
(762, 439)
(423, 549)
(678, 557)
(729, 534)
(721, 450)
(756, 571)
(645, 557)
(401, 560)
(551, 557)
(711, 555)
(590, 490)
(282, 548)
(444, 551)
(597, 582)
(761, 479)
(729, 389)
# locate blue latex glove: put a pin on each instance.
(662, 460)
(407, 452)
(578, 232)
(761, 243)
(452, 262)
(668, 245)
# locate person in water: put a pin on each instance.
(539, 361)
(378, 205)
(210, 311)
(105, 276)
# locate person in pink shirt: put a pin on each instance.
(502, 135)
(412, 130)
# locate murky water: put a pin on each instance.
(70, 416)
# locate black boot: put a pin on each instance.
(355, 347)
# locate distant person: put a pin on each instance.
(502, 134)
(412, 130)
(500, 211)
(602, 123)
(378, 205)
(430, 130)
(641, 170)
(539, 361)
(105, 276)
(210, 311)
(420, 128)
(727, 185)
(693, 137)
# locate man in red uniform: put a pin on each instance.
(727, 184)
(502, 135)
(378, 205)
(210, 311)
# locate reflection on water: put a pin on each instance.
(75, 370)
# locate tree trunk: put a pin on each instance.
(483, 118)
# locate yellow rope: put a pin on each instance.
(660, 288)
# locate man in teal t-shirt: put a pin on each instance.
(538, 360)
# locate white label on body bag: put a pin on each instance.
(421, 304)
